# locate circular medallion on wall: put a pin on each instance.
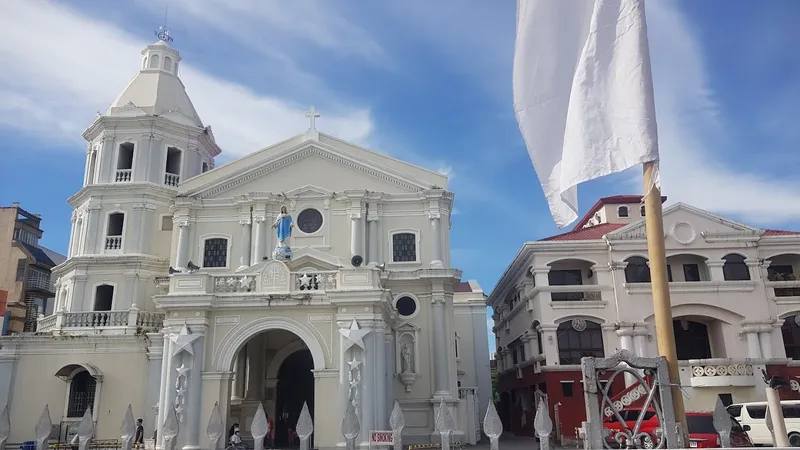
(683, 233)
(309, 221)
(406, 306)
(579, 324)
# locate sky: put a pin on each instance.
(425, 82)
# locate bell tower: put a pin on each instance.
(148, 141)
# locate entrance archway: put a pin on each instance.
(295, 387)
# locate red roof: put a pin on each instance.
(463, 287)
(613, 200)
(780, 233)
(586, 234)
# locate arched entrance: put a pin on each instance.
(295, 386)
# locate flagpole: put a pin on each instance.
(662, 306)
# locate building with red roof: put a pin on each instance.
(735, 300)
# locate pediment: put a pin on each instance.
(406, 326)
(684, 224)
(308, 191)
(308, 167)
(309, 257)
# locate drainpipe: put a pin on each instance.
(613, 276)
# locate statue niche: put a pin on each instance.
(407, 351)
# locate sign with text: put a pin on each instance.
(381, 438)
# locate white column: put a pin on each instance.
(134, 228)
(269, 218)
(530, 343)
(379, 365)
(71, 249)
(261, 238)
(155, 363)
(715, 269)
(374, 241)
(440, 343)
(92, 243)
(194, 402)
(389, 370)
(753, 346)
(244, 248)
(89, 152)
(765, 339)
(255, 368)
(239, 369)
(625, 334)
(355, 233)
(436, 245)
(369, 402)
(163, 395)
(183, 245)
(145, 230)
(640, 344)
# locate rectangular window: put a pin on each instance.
(566, 388)
(166, 223)
(404, 247)
(21, 263)
(691, 272)
(215, 253)
(565, 278)
(780, 272)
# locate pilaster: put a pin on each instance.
(715, 270)
(550, 344)
(440, 343)
(245, 221)
(183, 242)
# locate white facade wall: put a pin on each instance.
(743, 318)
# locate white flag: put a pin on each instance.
(583, 93)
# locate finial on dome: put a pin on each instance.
(163, 32)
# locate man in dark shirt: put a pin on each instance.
(138, 439)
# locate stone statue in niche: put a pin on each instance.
(406, 355)
(283, 226)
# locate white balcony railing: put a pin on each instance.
(123, 175)
(300, 281)
(171, 179)
(721, 372)
(113, 242)
(122, 322)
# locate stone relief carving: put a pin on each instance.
(275, 277)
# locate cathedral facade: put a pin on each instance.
(311, 272)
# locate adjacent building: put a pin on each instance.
(735, 302)
(25, 268)
(178, 296)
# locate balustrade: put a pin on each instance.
(123, 175)
(299, 281)
(171, 179)
(78, 322)
(113, 242)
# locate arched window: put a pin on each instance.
(578, 338)
(167, 63)
(735, 268)
(154, 62)
(103, 297)
(637, 270)
(791, 337)
(691, 339)
(114, 231)
(622, 211)
(81, 394)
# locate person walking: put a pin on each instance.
(138, 437)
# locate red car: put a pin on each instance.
(701, 429)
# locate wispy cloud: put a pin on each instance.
(50, 90)
(696, 163)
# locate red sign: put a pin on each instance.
(381, 438)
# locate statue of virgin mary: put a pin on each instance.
(283, 226)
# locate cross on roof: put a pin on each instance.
(312, 115)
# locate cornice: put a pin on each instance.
(143, 262)
(126, 192)
(139, 125)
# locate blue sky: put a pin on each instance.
(427, 82)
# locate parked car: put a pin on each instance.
(702, 433)
(753, 415)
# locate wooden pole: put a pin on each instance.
(662, 306)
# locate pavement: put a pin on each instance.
(511, 442)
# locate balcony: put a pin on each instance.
(719, 372)
(123, 176)
(170, 179)
(129, 321)
(783, 273)
(113, 243)
(38, 280)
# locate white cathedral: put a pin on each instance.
(187, 287)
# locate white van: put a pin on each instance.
(754, 415)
